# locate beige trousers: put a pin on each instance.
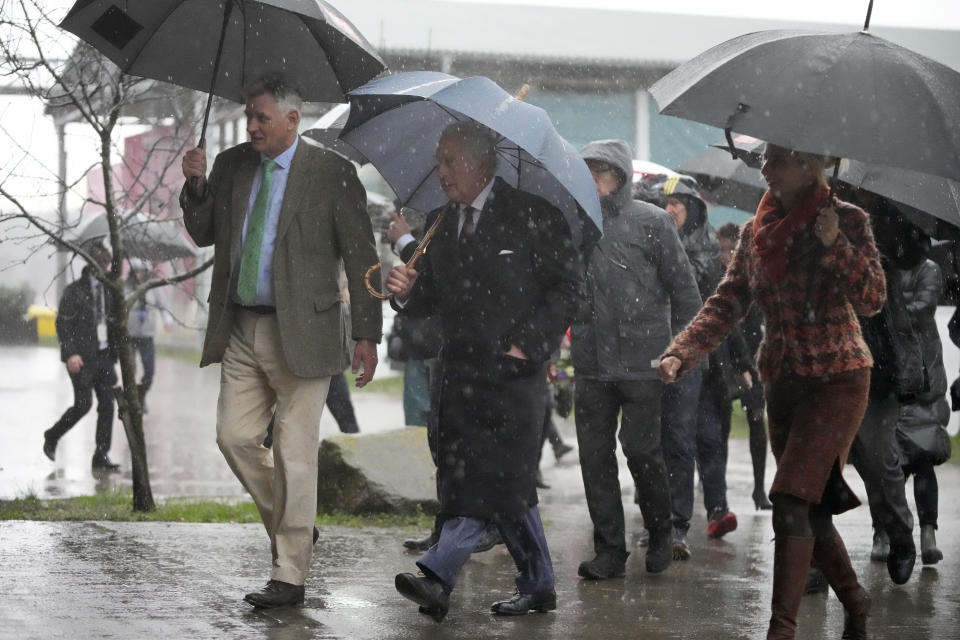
(283, 483)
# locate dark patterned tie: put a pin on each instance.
(469, 224)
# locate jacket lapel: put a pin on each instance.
(297, 181)
(243, 183)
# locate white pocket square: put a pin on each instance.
(504, 252)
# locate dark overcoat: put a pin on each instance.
(517, 282)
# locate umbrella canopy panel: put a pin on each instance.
(396, 122)
(326, 130)
(727, 181)
(143, 236)
(918, 192)
(848, 95)
(308, 42)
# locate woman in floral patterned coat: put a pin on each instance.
(809, 262)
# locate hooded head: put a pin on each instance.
(611, 164)
(681, 198)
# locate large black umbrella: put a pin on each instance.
(842, 94)
(219, 46)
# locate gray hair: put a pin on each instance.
(479, 141)
(287, 97)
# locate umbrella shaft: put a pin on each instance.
(216, 68)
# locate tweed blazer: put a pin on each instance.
(323, 220)
(849, 282)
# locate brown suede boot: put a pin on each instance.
(831, 556)
(791, 559)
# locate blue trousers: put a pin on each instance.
(523, 537)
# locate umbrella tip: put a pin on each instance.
(866, 23)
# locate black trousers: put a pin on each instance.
(874, 455)
(597, 406)
(97, 377)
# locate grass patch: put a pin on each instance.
(392, 385)
(115, 506)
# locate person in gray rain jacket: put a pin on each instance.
(640, 287)
(928, 411)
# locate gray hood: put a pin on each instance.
(616, 153)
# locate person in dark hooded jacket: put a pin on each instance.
(640, 285)
(696, 413)
(87, 351)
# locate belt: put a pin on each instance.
(260, 309)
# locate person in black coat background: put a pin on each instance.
(85, 348)
(505, 278)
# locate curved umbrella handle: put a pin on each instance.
(412, 262)
(366, 282)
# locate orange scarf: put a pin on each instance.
(774, 231)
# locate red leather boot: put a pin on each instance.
(832, 558)
(791, 559)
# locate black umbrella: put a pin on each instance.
(219, 46)
(726, 180)
(841, 94)
(930, 202)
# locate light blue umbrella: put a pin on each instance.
(395, 122)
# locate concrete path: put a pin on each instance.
(172, 580)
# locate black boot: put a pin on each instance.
(929, 552)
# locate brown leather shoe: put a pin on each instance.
(276, 594)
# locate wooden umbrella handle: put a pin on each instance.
(411, 263)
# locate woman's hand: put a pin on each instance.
(668, 368)
(827, 226)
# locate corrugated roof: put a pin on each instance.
(564, 33)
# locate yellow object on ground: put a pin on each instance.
(46, 319)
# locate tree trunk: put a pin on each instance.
(128, 402)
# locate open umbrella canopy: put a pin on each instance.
(841, 94)
(308, 42)
(396, 121)
(144, 236)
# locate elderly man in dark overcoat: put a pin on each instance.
(506, 279)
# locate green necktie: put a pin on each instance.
(247, 281)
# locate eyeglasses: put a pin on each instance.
(599, 168)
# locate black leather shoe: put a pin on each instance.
(433, 599)
(900, 561)
(604, 565)
(421, 544)
(103, 463)
(49, 448)
(522, 603)
(276, 594)
(488, 539)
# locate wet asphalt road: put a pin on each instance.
(170, 580)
